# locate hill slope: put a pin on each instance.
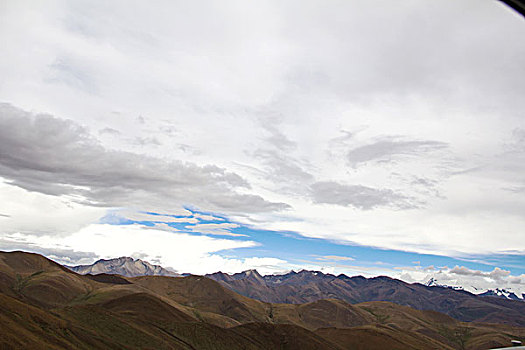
(46, 306)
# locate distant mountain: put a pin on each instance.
(502, 293)
(123, 266)
(309, 286)
(45, 305)
(498, 292)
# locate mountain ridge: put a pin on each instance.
(44, 305)
(131, 267)
(308, 286)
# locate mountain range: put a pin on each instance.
(130, 267)
(44, 305)
(310, 286)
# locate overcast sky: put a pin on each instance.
(396, 126)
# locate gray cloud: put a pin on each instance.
(282, 168)
(386, 150)
(516, 189)
(361, 197)
(276, 138)
(58, 157)
(66, 70)
(222, 229)
(61, 255)
(110, 131)
(341, 140)
(422, 69)
(368, 50)
(278, 162)
(146, 141)
(519, 137)
(497, 273)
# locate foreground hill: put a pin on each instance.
(308, 286)
(46, 306)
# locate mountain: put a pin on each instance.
(504, 293)
(123, 266)
(44, 305)
(308, 286)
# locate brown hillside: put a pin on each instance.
(378, 337)
(206, 295)
(285, 337)
(43, 305)
(321, 313)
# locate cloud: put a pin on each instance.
(207, 217)
(389, 149)
(222, 229)
(422, 69)
(283, 168)
(58, 157)
(335, 258)
(474, 281)
(163, 227)
(67, 256)
(109, 131)
(276, 137)
(357, 196)
(37, 213)
(146, 141)
(225, 225)
(496, 274)
(181, 251)
(142, 216)
(279, 167)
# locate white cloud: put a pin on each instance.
(225, 225)
(335, 258)
(495, 274)
(181, 251)
(142, 216)
(41, 214)
(474, 281)
(206, 217)
(263, 90)
(223, 229)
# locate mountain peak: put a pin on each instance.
(125, 266)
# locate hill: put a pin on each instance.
(46, 306)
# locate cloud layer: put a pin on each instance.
(183, 252)
(474, 281)
(58, 157)
(392, 125)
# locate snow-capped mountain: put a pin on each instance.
(124, 266)
(505, 293)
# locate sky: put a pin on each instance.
(357, 137)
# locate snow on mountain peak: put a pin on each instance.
(497, 292)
